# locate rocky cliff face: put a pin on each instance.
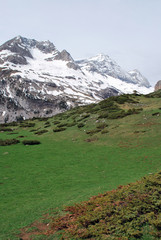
(158, 85)
(36, 80)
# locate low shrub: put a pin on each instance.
(123, 213)
(12, 124)
(27, 124)
(62, 125)
(108, 104)
(115, 115)
(71, 124)
(56, 122)
(124, 98)
(92, 108)
(47, 123)
(103, 115)
(156, 114)
(41, 132)
(43, 119)
(104, 131)
(31, 142)
(101, 125)
(80, 125)
(93, 131)
(59, 129)
(6, 129)
(85, 116)
(134, 111)
(92, 139)
(8, 142)
(34, 130)
(46, 126)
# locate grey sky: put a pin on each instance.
(129, 31)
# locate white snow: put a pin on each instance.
(9, 92)
(4, 112)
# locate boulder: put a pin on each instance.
(158, 85)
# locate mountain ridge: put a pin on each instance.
(34, 71)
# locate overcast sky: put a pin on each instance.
(129, 31)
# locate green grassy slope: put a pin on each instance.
(91, 150)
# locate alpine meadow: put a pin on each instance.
(92, 172)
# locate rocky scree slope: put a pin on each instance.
(36, 80)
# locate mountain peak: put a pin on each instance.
(137, 76)
(100, 58)
(17, 49)
(19, 42)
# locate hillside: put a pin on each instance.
(47, 163)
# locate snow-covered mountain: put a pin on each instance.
(38, 80)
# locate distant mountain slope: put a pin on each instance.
(38, 80)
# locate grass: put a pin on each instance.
(65, 168)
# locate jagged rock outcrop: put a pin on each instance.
(158, 85)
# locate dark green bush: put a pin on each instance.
(41, 132)
(80, 125)
(101, 125)
(115, 115)
(155, 114)
(31, 142)
(46, 126)
(12, 124)
(71, 124)
(2, 129)
(92, 108)
(62, 125)
(25, 124)
(85, 116)
(43, 119)
(125, 98)
(104, 131)
(134, 111)
(34, 130)
(103, 115)
(59, 129)
(122, 99)
(93, 131)
(107, 104)
(47, 123)
(56, 122)
(8, 142)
